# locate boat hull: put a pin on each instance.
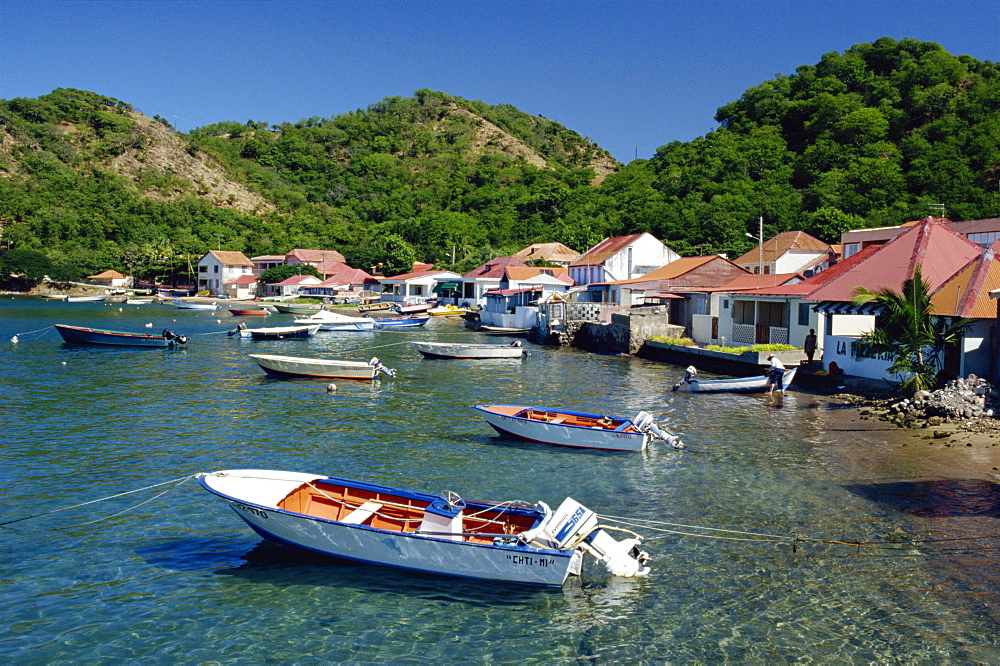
(281, 332)
(401, 322)
(470, 351)
(504, 419)
(331, 321)
(249, 313)
(296, 309)
(294, 366)
(80, 335)
(740, 384)
(256, 504)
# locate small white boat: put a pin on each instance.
(469, 350)
(138, 301)
(508, 541)
(297, 366)
(334, 321)
(740, 384)
(85, 299)
(274, 332)
(561, 427)
(414, 308)
(189, 305)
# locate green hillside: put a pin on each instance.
(877, 135)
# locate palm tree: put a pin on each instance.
(908, 333)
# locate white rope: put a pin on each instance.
(30, 332)
(178, 481)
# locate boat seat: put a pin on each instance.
(362, 513)
(557, 419)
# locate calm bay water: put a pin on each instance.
(181, 579)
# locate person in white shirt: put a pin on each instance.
(774, 373)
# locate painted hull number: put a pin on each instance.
(529, 561)
(250, 509)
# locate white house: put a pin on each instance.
(487, 277)
(415, 286)
(621, 258)
(218, 267)
(788, 252)
(110, 278)
(243, 287)
(293, 285)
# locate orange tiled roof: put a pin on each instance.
(967, 293)
(773, 248)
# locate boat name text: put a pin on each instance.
(529, 561)
(250, 509)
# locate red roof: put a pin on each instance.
(244, 279)
(415, 274)
(937, 249)
(494, 268)
(814, 282)
(773, 248)
(296, 279)
(604, 250)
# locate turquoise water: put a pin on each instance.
(181, 579)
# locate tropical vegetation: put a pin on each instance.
(880, 134)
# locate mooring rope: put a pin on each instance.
(741, 535)
(178, 481)
(18, 335)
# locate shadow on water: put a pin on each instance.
(935, 498)
(276, 564)
(524, 445)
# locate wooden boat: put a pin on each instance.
(414, 308)
(85, 299)
(297, 309)
(740, 384)
(404, 321)
(468, 350)
(295, 366)
(253, 312)
(501, 541)
(275, 332)
(370, 307)
(82, 335)
(561, 427)
(447, 311)
(334, 321)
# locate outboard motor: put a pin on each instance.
(174, 337)
(575, 526)
(377, 364)
(643, 422)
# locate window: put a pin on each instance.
(725, 303)
(803, 314)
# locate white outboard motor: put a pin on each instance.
(575, 526)
(377, 364)
(643, 422)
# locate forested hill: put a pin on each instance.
(870, 137)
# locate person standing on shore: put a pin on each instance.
(810, 346)
(774, 373)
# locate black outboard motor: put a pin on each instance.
(174, 337)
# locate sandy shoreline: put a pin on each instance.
(945, 451)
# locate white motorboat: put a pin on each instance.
(469, 350)
(502, 541)
(561, 427)
(334, 321)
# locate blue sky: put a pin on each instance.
(632, 76)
